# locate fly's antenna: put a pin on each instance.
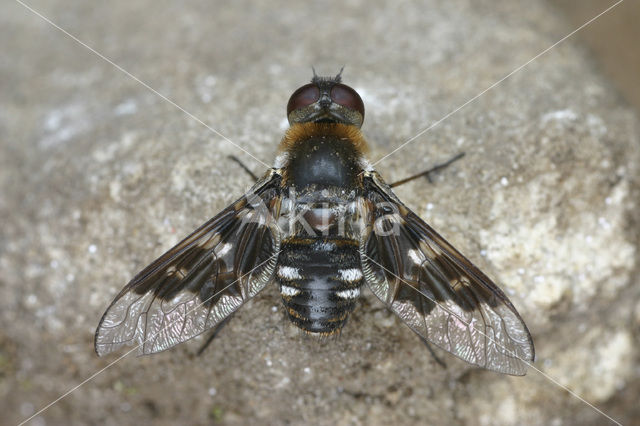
(338, 77)
(317, 79)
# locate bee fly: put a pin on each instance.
(321, 223)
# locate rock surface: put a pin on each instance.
(99, 176)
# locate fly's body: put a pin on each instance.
(319, 264)
(320, 281)
(323, 225)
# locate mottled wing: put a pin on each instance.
(200, 281)
(436, 291)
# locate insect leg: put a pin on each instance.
(428, 172)
(213, 334)
(245, 168)
(433, 354)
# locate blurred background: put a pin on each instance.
(612, 39)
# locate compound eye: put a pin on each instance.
(347, 97)
(304, 96)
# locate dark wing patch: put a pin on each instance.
(200, 281)
(436, 291)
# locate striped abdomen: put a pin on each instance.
(319, 281)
